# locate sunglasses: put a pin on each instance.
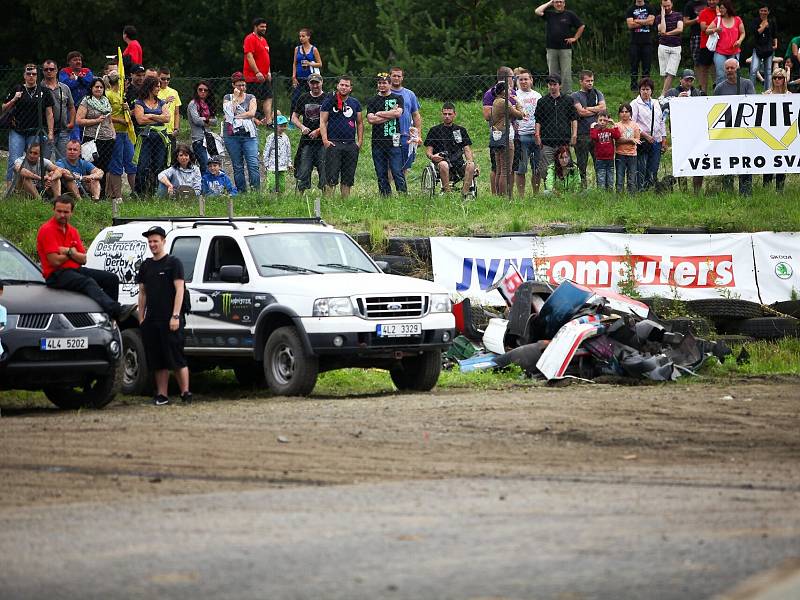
(202, 89)
(48, 69)
(164, 78)
(30, 72)
(778, 77)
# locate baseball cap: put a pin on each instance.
(137, 69)
(155, 230)
(282, 120)
(237, 76)
(554, 78)
(215, 159)
(687, 74)
(315, 77)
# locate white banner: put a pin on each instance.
(777, 260)
(735, 135)
(673, 266)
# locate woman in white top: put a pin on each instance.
(239, 133)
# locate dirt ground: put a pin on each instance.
(739, 434)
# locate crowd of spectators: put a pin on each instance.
(87, 132)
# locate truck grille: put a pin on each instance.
(392, 307)
(78, 320)
(34, 321)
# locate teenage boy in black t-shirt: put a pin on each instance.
(310, 151)
(162, 304)
(383, 113)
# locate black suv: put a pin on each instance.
(56, 341)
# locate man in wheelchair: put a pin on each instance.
(449, 148)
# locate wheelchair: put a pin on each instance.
(431, 181)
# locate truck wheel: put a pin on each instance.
(137, 380)
(418, 373)
(95, 394)
(287, 369)
(250, 375)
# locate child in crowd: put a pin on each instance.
(628, 140)
(182, 173)
(284, 150)
(603, 133)
(562, 174)
(216, 181)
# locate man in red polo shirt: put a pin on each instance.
(256, 67)
(62, 255)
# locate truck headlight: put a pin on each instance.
(332, 307)
(440, 303)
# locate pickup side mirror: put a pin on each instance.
(382, 265)
(231, 273)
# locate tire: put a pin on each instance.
(766, 328)
(250, 375)
(725, 309)
(96, 394)
(414, 247)
(676, 230)
(697, 326)
(788, 307)
(137, 380)
(287, 369)
(418, 373)
(428, 181)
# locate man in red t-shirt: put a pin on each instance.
(256, 67)
(62, 255)
(133, 49)
(705, 57)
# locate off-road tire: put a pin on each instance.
(418, 373)
(287, 369)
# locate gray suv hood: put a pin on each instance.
(37, 298)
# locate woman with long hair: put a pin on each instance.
(240, 136)
(731, 34)
(780, 85)
(202, 112)
(183, 172)
(625, 159)
(306, 62)
(152, 146)
(562, 174)
(94, 116)
(500, 141)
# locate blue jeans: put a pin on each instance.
(244, 150)
(719, 65)
(407, 159)
(648, 160)
(202, 155)
(122, 156)
(59, 149)
(626, 165)
(17, 145)
(604, 170)
(765, 66)
(387, 158)
(529, 154)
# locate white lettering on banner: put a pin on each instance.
(735, 135)
(659, 264)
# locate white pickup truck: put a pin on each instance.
(281, 300)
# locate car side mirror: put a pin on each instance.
(231, 273)
(382, 265)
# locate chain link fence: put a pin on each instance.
(487, 144)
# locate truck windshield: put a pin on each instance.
(16, 267)
(318, 252)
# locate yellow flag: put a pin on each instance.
(125, 110)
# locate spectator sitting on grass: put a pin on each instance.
(29, 176)
(78, 173)
(562, 175)
(182, 173)
(215, 181)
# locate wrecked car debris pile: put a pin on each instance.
(578, 331)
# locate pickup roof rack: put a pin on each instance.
(221, 220)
